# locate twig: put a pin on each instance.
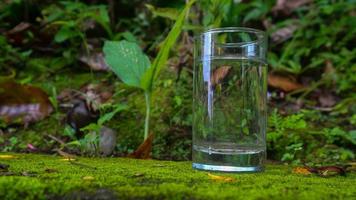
(71, 159)
(81, 164)
(64, 154)
(56, 139)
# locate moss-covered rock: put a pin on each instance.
(33, 176)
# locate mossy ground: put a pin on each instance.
(52, 177)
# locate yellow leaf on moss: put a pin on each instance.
(88, 178)
(7, 157)
(67, 159)
(221, 178)
(301, 170)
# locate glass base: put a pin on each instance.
(220, 168)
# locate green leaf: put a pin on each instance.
(91, 127)
(64, 34)
(129, 37)
(110, 115)
(127, 61)
(170, 13)
(162, 57)
(104, 15)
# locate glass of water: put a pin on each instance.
(229, 100)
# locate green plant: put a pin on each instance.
(134, 68)
(104, 118)
(13, 142)
(292, 139)
(10, 55)
(72, 17)
(90, 142)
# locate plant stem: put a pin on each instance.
(148, 108)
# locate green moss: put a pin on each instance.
(54, 177)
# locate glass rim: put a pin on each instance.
(232, 29)
(261, 35)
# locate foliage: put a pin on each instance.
(11, 55)
(291, 138)
(71, 18)
(90, 143)
(133, 67)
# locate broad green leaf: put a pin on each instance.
(162, 57)
(127, 61)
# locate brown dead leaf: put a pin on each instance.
(23, 103)
(19, 28)
(219, 74)
(95, 61)
(326, 99)
(144, 150)
(301, 170)
(225, 179)
(324, 171)
(17, 34)
(327, 171)
(96, 94)
(287, 6)
(283, 82)
(283, 34)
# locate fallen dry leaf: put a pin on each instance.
(327, 171)
(7, 157)
(95, 61)
(17, 34)
(283, 34)
(23, 103)
(19, 28)
(287, 6)
(324, 171)
(283, 82)
(219, 74)
(326, 99)
(226, 179)
(144, 150)
(301, 170)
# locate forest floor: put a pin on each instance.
(34, 176)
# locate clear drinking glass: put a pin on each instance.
(229, 100)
